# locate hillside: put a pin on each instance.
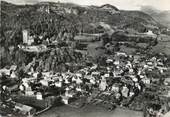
(63, 21)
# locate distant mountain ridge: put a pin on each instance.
(163, 17)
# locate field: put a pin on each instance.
(93, 48)
(89, 111)
(162, 47)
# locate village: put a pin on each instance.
(50, 77)
(69, 59)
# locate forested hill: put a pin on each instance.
(52, 18)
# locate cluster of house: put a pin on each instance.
(124, 75)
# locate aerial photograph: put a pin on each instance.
(85, 58)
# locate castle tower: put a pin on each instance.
(25, 36)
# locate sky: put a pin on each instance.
(121, 4)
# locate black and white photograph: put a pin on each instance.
(85, 58)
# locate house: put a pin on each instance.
(167, 81)
(25, 109)
(95, 73)
(34, 49)
(160, 66)
(149, 32)
(136, 57)
(116, 73)
(5, 71)
(39, 96)
(30, 40)
(121, 54)
(109, 61)
(150, 65)
(65, 99)
(146, 80)
(28, 91)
